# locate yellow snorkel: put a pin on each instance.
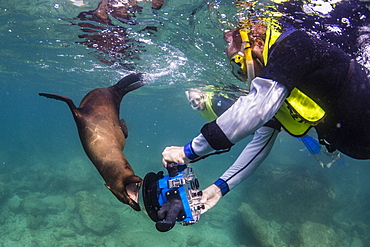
(248, 59)
(252, 12)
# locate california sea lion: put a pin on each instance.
(103, 136)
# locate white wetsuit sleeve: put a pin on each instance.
(248, 114)
(248, 161)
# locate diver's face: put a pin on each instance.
(258, 45)
(235, 54)
(235, 47)
(196, 100)
(234, 42)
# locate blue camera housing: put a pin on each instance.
(176, 183)
(172, 198)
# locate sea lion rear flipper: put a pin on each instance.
(130, 82)
(62, 98)
(124, 128)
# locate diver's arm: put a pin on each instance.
(248, 114)
(248, 161)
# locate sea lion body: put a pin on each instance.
(103, 136)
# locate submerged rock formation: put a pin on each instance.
(95, 215)
(295, 196)
(264, 233)
(317, 235)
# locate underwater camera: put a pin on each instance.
(173, 197)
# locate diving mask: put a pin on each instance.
(242, 63)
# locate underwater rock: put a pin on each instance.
(83, 180)
(295, 196)
(64, 232)
(194, 240)
(317, 235)
(15, 236)
(14, 204)
(361, 228)
(96, 215)
(70, 203)
(34, 222)
(356, 242)
(34, 206)
(82, 165)
(151, 237)
(77, 225)
(263, 232)
(55, 204)
(2, 191)
(45, 180)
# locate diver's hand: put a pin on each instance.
(174, 154)
(210, 197)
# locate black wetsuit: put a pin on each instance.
(332, 79)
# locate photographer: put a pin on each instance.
(301, 82)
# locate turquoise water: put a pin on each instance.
(51, 194)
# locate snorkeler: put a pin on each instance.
(210, 101)
(297, 82)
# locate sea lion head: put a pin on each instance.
(129, 192)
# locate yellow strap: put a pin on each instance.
(271, 36)
(299, 113)
(289, 124)
(305, 107)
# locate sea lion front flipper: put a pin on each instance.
(62, 98)
(124, 128)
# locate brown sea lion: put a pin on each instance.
(103, 136)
